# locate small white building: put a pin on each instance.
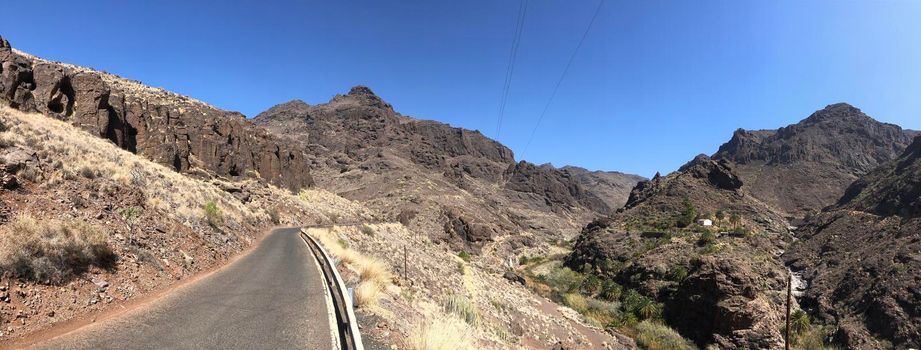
(705, 222)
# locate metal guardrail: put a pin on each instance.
(349, 336)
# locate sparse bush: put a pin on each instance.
(688, 214)
(87, 172)
(610, 290)
(30, 173)
(799, 323)
(274, 215)
(602, 312)
(213, 214)
(51, 250)
(440, 334)
(591, 285)
(128, 214)
(679, 273)
(370, 269)
(464, 256)
(706, 238)
(563, 280)
(5, 141)
(464, 308)
(575, 301)
(656, 336)
(367, 294)
(367, 230)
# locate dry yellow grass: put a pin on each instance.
(373, 273)
(440, 333)
(51, 250)
(367, 294)
(373, 270)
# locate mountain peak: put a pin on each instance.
(362, 95)
(836, 111)
(361, 90)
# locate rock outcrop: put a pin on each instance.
(170, 129)
(804, 167)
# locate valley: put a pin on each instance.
(114, 193)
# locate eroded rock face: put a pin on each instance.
(557, 187)
(166, 128)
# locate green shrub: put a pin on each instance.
(610, 290)
(563, 280)
(688, 214)
(128, 214)
(679, 273)
(464, 256)
(657, 336)
(591, 285)
(799, 323)
(213, 214)
(575, 301)
(367, 230)
(707, 237)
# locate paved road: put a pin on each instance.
(272, 298)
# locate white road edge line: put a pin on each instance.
(330, 312)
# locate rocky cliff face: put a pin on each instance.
(861, 258)
(805, 166)
(170, 129)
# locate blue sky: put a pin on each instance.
(655, 82)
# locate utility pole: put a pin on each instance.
(786, 341)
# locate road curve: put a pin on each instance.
(272, 298)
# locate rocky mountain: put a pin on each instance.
(612, 187)
(452, 183)
(804, 167)
(862, 258)
(706, 185)
(170, 129)
(719, 284)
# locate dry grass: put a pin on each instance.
(367, 294)
(373, 273)
(463, 307)
(372, 270)
(51, 250)
(442, 333)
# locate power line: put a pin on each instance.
(562, 76)
(516, 42)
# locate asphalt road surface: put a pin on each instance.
(272, 298)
